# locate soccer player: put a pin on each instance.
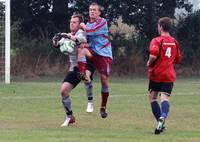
(71, 80)
(98, 50)
(164, 54)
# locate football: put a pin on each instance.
(67, 46)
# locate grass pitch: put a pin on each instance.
(32, 112)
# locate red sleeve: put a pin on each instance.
(178, 54)
(154, 47)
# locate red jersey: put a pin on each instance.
(167, 51)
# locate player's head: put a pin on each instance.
(94, 10)
(75, 21)
(164, 24)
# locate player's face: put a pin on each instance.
(94, 11)
(74, 24)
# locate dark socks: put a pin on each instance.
(165, 108)
(156, 109)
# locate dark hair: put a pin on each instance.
(79, 16)
(96, 4)
(165, 23)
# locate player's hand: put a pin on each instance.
(82, 26)
(55, 39)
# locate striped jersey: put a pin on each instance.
(97, 35)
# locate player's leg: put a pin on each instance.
(66, 101)
(104, 95)
(165, 105)
(153, 94)
(156, 110)
(83, 53)
(164, 112)
(155, 107)
(88, 86)
(89, 93)
(166, 89)
(103, 66)
(69, 83)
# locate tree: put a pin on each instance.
(61, 14)
(188, 34)
(41, 17)
(143, 14)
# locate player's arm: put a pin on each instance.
(81, 37)
(152, 58)
(69, 36)
(154, 51)
(82, 40)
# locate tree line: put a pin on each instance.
(34, 22)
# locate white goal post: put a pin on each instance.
(7, 40)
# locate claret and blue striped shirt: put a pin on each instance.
(97, 34)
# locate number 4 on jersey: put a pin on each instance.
(168, 52)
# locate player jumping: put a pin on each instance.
(98, 51)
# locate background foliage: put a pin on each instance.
(34, 22)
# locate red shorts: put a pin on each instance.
(102, 64)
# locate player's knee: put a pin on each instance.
(64, 92)
(164, 97)
(104, 89)
(152, 98)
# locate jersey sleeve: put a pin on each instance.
(178, 54)
(154, 47)
(81, 37)
(101, 27)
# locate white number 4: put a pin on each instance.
(168, 52)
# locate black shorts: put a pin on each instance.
(91, 68)
(72, 78)
(161, 86)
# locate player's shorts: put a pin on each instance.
(165, 87)
(102, 64)
(72, 76)
(90, 67)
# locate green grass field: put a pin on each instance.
(32, 112)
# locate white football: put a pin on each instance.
(67, 46)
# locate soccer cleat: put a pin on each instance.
(160, 127)
(89, 107)
(68, 121)
(82, 76)
(103, 112)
